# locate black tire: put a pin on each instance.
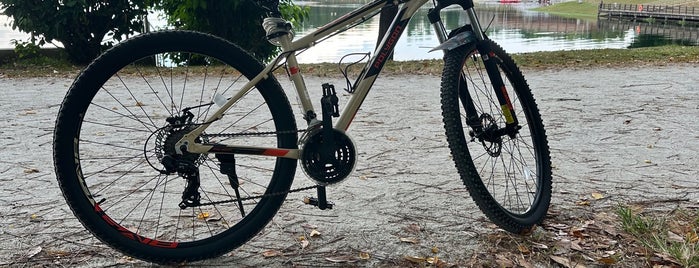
(510, 181)
(111, 134)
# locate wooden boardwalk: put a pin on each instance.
(635, 12)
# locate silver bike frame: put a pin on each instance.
(289, 51)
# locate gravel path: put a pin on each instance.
(628, 134)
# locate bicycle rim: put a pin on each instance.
(112, 135)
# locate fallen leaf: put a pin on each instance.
(32, 252)
(364, 255)
(140, 104)
(271, 253)
(433, 260)
(647, 161)
(435, 250)
(304, 242)
(540, 246)
(504, 261)
(415, 259)
(31, 170)
(308, 226)
(597, 196)
(673, 237)
(566, 262)
(692, 237)
(412, 240)
(583, 203)
(314, 233)
(413, 228)
(523, 249)
(342, 259)
(607, 261)
(35, 218)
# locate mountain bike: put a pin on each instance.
(179, 146)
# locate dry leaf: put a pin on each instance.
(597, 196)
(583, 203)
(692, 237)
(412, 240)
(607, 261)
(32, 252)
(415, 259)
(203, 215)
(314, 233)
(674, 237)
(308, 226)
(566, 262)
(540, 246)
(523, 249)
(305, 243)
(342, 259)
(139, 104)
(413, 228)
(433, 260)
(31, 171)
(34, 218)
(647, 161)
(435, 250)
(271, 253)
(504, 261)
(364, 255)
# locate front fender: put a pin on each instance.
(460, 39)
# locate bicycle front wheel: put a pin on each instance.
(117, 127)
(508, 177)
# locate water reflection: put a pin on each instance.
(515, 27)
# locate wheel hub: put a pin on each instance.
(490, 138)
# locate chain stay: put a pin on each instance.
(242, 134)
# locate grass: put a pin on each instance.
(662, 55)
(673, 235)
(587, 9)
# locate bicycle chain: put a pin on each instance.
(259, 196)
(230, 135)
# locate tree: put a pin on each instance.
(80, 25)
(238, 21)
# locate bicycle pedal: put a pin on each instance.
(316, 203)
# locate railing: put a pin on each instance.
(633, 11)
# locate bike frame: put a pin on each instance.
(363, 84)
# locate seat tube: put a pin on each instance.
(296, 77)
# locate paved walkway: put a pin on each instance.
(628, 134)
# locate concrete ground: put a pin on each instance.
(627, 134)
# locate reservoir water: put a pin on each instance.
(515, 27)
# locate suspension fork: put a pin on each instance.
(490, 64)
(491, 67)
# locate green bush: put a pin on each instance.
(80, 25)
(238, 21)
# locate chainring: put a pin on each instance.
(329, 171)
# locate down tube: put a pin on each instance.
(381, 55)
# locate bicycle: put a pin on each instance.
(168, 175)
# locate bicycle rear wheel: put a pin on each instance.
(113, 133)
(509, 178)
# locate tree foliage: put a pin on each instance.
(238, 21)
(80, 25)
